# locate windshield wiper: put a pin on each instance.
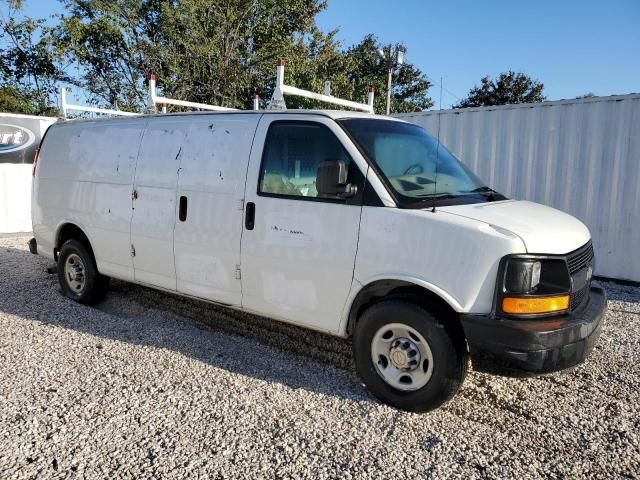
(439, 196)
(490, 194)
(482, 190)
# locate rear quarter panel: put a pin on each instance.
(84, 176)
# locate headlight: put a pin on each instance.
(534, 285)
(522, 276)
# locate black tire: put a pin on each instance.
(450, 357)
(95, 285)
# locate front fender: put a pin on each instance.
(357, 287)
(455, 258)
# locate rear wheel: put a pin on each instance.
(407, 356)
(78, 275)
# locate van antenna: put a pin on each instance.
(435, 185)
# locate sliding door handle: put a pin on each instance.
(182, 211)
(250, 216)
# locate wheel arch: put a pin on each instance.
(69, 230)
(412, 289)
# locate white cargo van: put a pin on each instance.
(355, 225)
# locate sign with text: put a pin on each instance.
(20, 136)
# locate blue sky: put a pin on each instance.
(572, 46)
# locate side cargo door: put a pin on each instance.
(211, 182)
(154, 201)
(298, 248)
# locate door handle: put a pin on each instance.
(182, 211)
(250, 216)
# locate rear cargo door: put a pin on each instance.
(211, 183)
(154, 201)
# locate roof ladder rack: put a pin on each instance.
(155, 100)
(65, 107)
(277, 100)
(278, 103)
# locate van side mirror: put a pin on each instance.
(331, 179)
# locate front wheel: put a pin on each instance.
(78, 275)
(407, 357)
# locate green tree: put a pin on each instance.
(30, 65)
(365, 68)
(14, 100)
(352, 72)
(113, 45)
(236, 48)
(311, 62)
(510, 87)
(221, 52)
(211, 51)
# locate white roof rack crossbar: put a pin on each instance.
(277, 100)
(155, 100)
(65, 107)
(278, 103)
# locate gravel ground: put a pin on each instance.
(151, 386)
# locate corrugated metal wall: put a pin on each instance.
(580, 156)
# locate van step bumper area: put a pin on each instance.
(532, 347)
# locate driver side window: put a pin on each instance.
(293, 150)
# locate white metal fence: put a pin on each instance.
(581, 156)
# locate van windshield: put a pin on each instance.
(419, 171)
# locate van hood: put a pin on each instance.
(542, 229)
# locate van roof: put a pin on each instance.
(335, 114)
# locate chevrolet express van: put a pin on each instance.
(356, 225)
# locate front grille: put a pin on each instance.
(578, 297)
(580, 259)
(576, 261)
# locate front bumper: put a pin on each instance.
(532, 347)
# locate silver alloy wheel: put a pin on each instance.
(74, 273)
(402, 357)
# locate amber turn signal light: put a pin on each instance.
(533, 305)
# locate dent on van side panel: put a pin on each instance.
(457, 255)
(212, 175)
(154, 205)
(84, 177)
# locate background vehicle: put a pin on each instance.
(347, 223)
